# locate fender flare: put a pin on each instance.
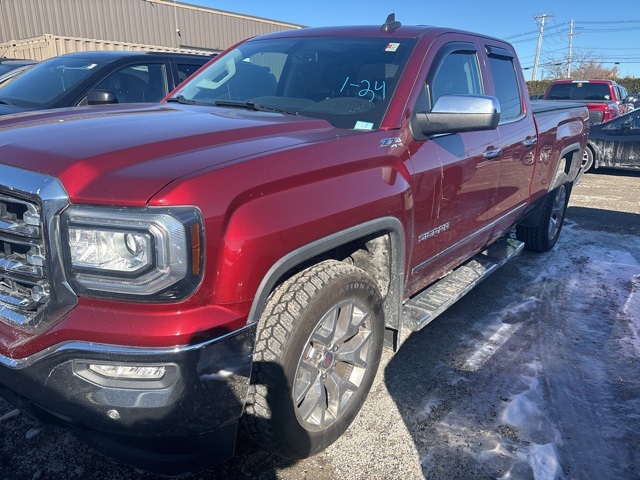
(389, 225)
(574, 168)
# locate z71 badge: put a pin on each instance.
(391, 142)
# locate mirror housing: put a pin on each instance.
(456, 114)
(99, 96)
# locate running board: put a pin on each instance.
(431, 302)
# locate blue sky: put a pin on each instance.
(599, 26)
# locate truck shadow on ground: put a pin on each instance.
(429, 388)
(604, 220)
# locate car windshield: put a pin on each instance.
(44, 83)
(348, 81)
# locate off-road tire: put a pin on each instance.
(290, 344)
(543, 236)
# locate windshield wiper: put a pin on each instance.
(252, 106)
(184, 101)
(5, 102)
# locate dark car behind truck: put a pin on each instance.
(86, 78)
(240, 253)
(615, 144)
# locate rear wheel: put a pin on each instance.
(317, 351)
(587, 159)
(543, 236)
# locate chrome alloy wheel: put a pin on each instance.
(333, 364)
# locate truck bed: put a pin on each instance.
(541, 106)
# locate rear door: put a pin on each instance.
(518, 138)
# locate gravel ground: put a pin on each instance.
(533, 375)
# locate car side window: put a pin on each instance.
(136, 83)
(626, 125)
(185, 70)
(458, 73)
(506, 86)
(633, 123)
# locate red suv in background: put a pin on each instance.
(605, 99)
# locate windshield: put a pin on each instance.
(43, 84)
(347, 81)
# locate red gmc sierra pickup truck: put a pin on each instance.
(240, 253)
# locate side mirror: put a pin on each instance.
(456, 114)
(101, 97)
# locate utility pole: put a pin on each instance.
(543, 19)
(570, 49)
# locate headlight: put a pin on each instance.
(150, 253)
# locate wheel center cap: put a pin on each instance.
(327, 360)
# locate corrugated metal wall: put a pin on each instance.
(47, 46)
(149, 22)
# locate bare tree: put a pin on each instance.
(584, 64)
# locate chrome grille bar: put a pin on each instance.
(33, 288)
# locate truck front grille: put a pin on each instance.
(24, 289)
(32, 285)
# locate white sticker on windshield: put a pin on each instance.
(392, 47)
(93, 65)
(363, 125)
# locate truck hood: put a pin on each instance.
(124, 155)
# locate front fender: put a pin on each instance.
(267, 226)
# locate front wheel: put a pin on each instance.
(317, 351)
(543, 236)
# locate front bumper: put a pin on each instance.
(183, 422)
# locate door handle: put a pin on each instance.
(492, 153)
(530, 142)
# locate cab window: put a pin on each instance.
(457, 74)
(506, 87)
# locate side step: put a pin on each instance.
(431, 302)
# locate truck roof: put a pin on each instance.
(405, 31)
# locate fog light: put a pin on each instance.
(133, 372)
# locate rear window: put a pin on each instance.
(579, 91)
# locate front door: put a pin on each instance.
(457, 174)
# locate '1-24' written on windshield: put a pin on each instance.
(367, 89)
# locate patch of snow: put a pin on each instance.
(32, 433)
(430, 403)
(632, 310)
(485, 351)
(11, 414)
(544, 461)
